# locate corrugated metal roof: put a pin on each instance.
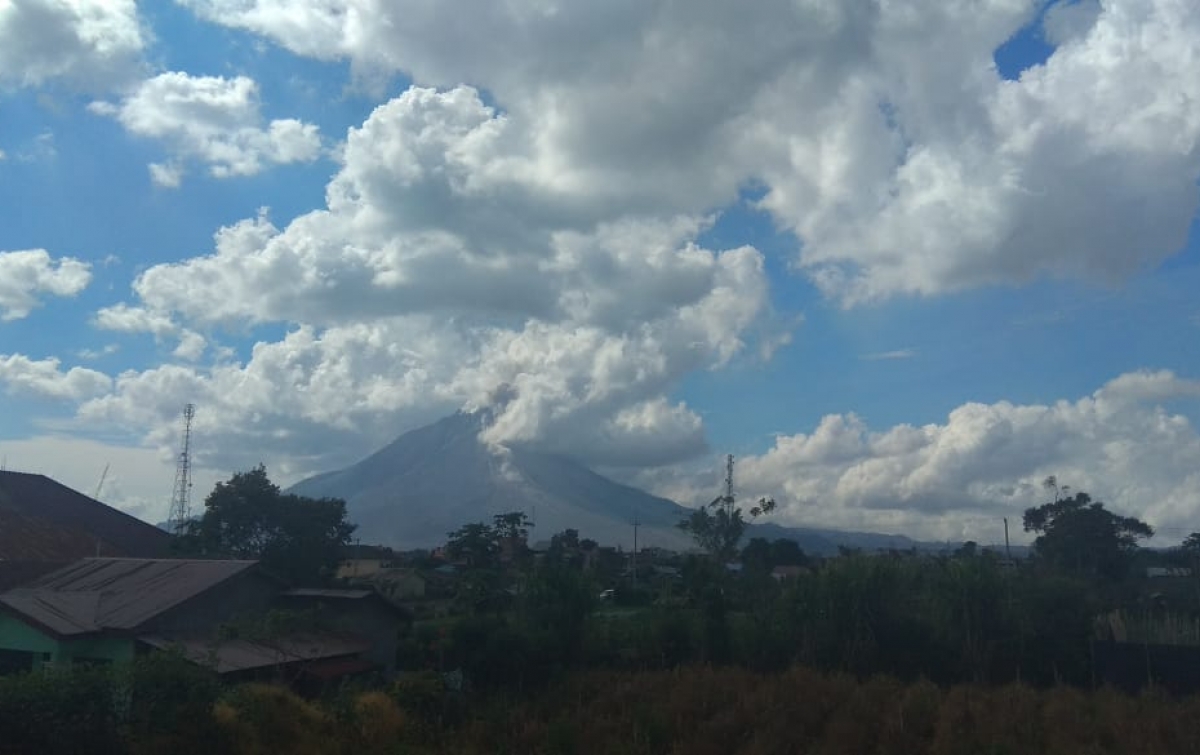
(243, 654)
(336, 668)
(17, 573)
(309, 595)
(115, 593)
(64, 613)
(44, 519)
(314, 592)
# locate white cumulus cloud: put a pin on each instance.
(525, 220)
(212, 119)
(903, 167)
(28, 273)
(126, 319)
(93, 44)
(959, 478)
(43, 378)
(442, 238)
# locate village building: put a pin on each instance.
(220, 613)
(44, 525)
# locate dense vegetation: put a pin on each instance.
(296, 538)
(694, 710)
(580, 650)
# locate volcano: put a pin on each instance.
(434, 479)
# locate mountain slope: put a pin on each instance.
(436, 478)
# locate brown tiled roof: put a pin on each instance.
(43, 520)
(96, 594)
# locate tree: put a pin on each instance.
(756, 556)
(1191, 544)
(786, 552)
(762, 555)
(1079, 535)
(511, 526)
(483, 545)
(297, 538)
(476, 543)
(564, 548)
(568, 539)
(718, 527)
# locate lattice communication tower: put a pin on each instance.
(728, 500)
(181, 498)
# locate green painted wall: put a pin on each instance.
(17, 635)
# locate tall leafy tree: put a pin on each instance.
(484, 545)
(718, 527)
(298, 538)
(512, 525)
(477, 544)
(762, 555)
(1079, 535)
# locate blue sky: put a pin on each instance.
(904, 267)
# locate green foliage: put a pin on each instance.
(170, 706)
(722, 711)
(513, 525)
(158, 705)
(718, 527)
(52, 712)
(761, 555)
(162, 705)
(557, 600)
(1191, 544)
(1080, 536)
(482, 545)
(261, 719)
(297, 538)
(475, 543)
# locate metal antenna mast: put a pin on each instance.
(729, 481)
(181, 498)
(100, 485)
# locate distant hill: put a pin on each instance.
(436, 478)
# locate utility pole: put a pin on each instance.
(636, 524)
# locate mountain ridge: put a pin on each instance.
(433, 479)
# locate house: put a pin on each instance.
(360, 568)
(1175, 572)
(45, 525)
(96, 609)
(781, 573)
(667, 572)
(105, 610)
(399, 584)
(372, 617)
(360, 561)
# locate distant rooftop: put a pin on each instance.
(242, 654)
(44, 520)
(333, 594)
(97, 594)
